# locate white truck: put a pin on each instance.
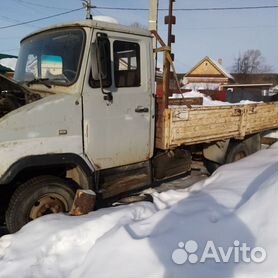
(93, 122)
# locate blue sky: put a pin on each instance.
(218, 34)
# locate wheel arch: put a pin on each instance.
(72, 165)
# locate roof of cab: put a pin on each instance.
(95, 24)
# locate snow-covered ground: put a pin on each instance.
(272, 134)
(235, 208)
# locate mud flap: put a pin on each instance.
(171, 163)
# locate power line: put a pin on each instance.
(39, 19)
(223, 27)
(38, 5)
(139, 9)
(191, 9)
(13, 20)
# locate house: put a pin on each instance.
(207, 75)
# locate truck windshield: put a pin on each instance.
(52, 57)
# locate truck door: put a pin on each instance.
(118, 118)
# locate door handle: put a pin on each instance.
(141, 109)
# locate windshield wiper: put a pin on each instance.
(43, 81)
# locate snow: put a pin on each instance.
(248, 102)
(272, 134)
(207, 101)
(236, 203)
(9, 63)
(201, 86)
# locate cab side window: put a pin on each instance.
(126, 64)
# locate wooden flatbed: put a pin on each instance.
(204, 124)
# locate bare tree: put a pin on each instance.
(251, 61)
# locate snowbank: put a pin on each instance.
(237, 203)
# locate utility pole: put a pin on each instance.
(88, 5)
(153, 15)
(170, 20)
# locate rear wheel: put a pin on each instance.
(236, 152)
(37, 197)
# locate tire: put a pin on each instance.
(236, 152)
(37, 197)
(211, 165)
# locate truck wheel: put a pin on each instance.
(236, 152)
(37, 197)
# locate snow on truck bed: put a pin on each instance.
(237, 205)
(207, 101)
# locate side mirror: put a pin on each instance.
(102, 50)
(103, 59)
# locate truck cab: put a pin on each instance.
(93, 126)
